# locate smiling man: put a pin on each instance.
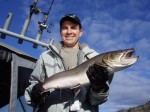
(68, 54)
(70, 31)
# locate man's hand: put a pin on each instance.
(98, 77)
(36, 95)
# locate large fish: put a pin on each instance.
(114, 61)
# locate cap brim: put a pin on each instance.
(69, 19)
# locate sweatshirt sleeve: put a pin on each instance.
(34, 79)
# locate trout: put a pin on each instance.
(113, 61)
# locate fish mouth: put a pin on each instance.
(128, 56)
(129, 53)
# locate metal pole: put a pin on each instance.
(24, 29)
(23, 37)
(51, 41)
(7, 24)
(27, 21)
(38, 37)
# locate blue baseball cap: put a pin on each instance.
(71, 17)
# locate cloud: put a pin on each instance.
(128, 89)
(104, 31)
(110, 25)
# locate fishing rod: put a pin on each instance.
(43, 25)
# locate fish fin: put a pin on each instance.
(76, 89)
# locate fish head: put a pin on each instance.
(118, 60)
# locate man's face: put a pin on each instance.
(70, 33)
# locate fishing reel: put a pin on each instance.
(43, 26)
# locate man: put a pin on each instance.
(68, 54)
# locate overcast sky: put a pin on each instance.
(107, 25)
